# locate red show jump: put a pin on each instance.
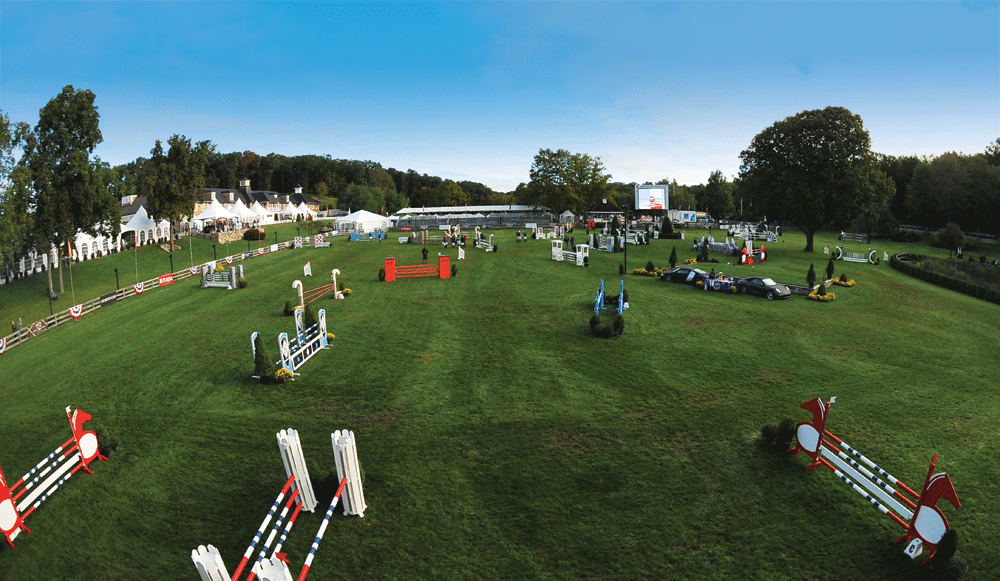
(918, 514)
(440, 270)
(19, 500)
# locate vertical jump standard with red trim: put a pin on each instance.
(17, 503)
(919, 514)
(441, 270)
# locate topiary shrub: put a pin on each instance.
(843, 277)
(821, 291)
(586, 261)
(811, 276)
(673, 257)
(829, 269)
(381, 275)
(621, 268)
(242, 283)
(454, 270)
(310, 315)
(650, 267)
(618, 326)
(289, 309)
(255, 234)
(778, 437)
(703, 256)
(263, 363)
(594, 321)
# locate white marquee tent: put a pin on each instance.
(214, 211)
(303, 209)
(246, 215)
(145, 228)
(362, 220)
(263, 215)
(288, 212)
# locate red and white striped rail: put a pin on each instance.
(20, 499)
(924, 522)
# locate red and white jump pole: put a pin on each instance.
(263, 526)
(321, 532)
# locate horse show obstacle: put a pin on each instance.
(924, 522)
(306, 343)
(75, 454)
(439, 270)
(208, 560)
(560, 255)
(225, 279)
(855, 256)
(480, 242)
(599, 299)
(314, 294)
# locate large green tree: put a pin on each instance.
(562, 181)
(69, 194)
(718, 196)
(813, 169)
(15, 194)
(173, 181)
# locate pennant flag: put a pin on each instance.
(138, 288)
(194, 270)
(229, 260)
(76, 311)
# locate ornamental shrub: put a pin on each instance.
(667, 228)
(811, 276)
(263, 363)
(594, 321)
(310, 315)
(703, 256)
(673, 257)
(618, 326)
(586, 261)
(829, 269)
(289, 309)
(381, 275)
(454, 270)
(255, 234)
(650, 267)
(843, 277)
(621, 268)
(821, 291)
(242, 283)
(603, 331)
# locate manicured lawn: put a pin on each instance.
(499, 440)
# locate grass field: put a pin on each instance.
(498, 439)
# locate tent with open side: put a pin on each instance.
(288, 212)
(362, 220)
(263, 215)
(246, 215)
(213, 213)
(303, 209)
(144, 227)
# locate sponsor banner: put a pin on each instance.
(108, 299)
(138, 288)
(406, 228)
(274, 248)
(166, 279)
(75, 311)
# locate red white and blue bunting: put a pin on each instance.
(229, 260)
(138, 288)
(260, 251)
(193, 270)
(75, 311)
(3, 345)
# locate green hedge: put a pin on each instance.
(905, 263)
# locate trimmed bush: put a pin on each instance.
(381, 275)
(310, 318)
(586, 261)
(673, 257)
(242, 283)
(263, 363)
(618, 325)
(594, 321)
(289, 309)
(454, 270)
(650, 267)
(829, 269)
(811, 276)
(621, 268)
(255, 234)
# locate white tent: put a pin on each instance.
(262, 213)
(289, 210)
(245, 214)
(145, 228)
(362, 220)
(214, 211)
(303, 209)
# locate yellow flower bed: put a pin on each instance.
(347, 292)
(691, 261)
(640, 271)
(829, 297)
(839, 282)
(282, 375)
(330, 336)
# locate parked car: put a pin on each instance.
(763, 287)
(685, 274)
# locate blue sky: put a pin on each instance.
(472, 90)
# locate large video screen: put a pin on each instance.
(650, 197)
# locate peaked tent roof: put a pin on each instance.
(214, 211)
(289, 209)
(363, 219)
(256, 208)
(302, 208)
(241, 210)
(140, 221)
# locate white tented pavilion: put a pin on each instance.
(246, 215)
(288, 212)
(303, 209)
(144, 228)
(263, 216)
(362, 220)
(213, 213)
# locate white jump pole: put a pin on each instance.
(321, 532)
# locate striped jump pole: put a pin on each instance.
(278, 522)
(321, 532)
(263, 526)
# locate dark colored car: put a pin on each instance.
(685, 274)
(763, 287)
